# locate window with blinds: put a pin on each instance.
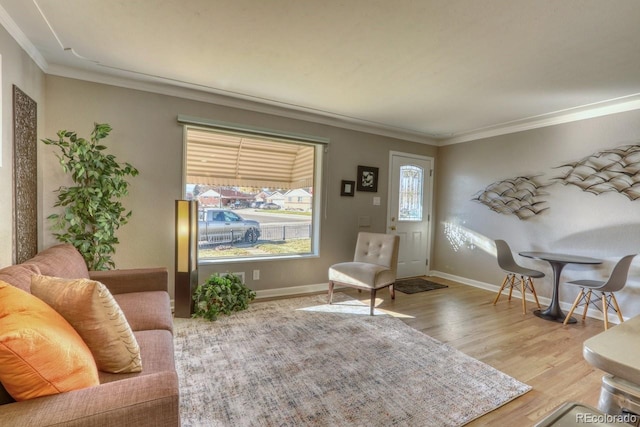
(256, 192)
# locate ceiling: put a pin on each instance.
(449, 70)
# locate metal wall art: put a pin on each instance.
(613, 170)
(617, 169)
(25, 137)
(520, 196)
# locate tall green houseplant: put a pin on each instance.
(92, 210)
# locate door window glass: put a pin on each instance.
(410, 197)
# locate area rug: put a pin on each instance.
(416, 284)
(302, 362)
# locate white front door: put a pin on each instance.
(409, 215)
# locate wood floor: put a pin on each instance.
(546, 355)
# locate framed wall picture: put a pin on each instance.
(347, 188)
(367, 179)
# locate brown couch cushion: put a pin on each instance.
(91, 309)
(146, 310)
(156, 351)
(19, 275)
(61, 261)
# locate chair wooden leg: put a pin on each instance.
(533, 291)
(330, 291)
(586, 304)
(522, 290)
(513, 282)
(373, 301)
(605, 311)
(617, 307)
(392, 291)
(573, 307)
(504, 283)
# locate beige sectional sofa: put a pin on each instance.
(148, 398)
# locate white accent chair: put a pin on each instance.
(374, 266)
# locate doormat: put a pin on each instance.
(416, 284)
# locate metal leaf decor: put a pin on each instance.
(616, 170)
(520, 196)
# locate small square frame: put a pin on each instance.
(367, 179)
(347, 188)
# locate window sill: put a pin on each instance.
(256, 259)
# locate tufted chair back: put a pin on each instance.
(374, 266)
(377, 248)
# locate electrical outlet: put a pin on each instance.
(256, 274)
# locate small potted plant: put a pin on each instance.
(221, 294)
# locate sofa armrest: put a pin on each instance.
(147, 400)
(133, 280)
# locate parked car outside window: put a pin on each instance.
(240, 204)
(273, 206)
(225, 226)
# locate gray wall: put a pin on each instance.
(17, 69)
(147, 135)
(605, 226)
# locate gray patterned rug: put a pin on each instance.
(301, 362)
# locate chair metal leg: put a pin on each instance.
(373, 301)
(392, 291)
(330, 291)
(504, 282)
(605, 311)
(616, 307)
(573, 307)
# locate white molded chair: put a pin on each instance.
(616, 282)
(373, 267)
(509, 266)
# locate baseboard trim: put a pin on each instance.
(565, 306)
(293, 290)
(322, 287)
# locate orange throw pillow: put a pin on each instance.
(91, 309)
(40, 353)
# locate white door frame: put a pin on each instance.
(430, 225)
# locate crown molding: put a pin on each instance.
(590, 111)
(153, 84)
(185, 90)
(14, 31)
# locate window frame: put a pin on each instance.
(320, 145)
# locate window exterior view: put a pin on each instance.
(255, 194)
